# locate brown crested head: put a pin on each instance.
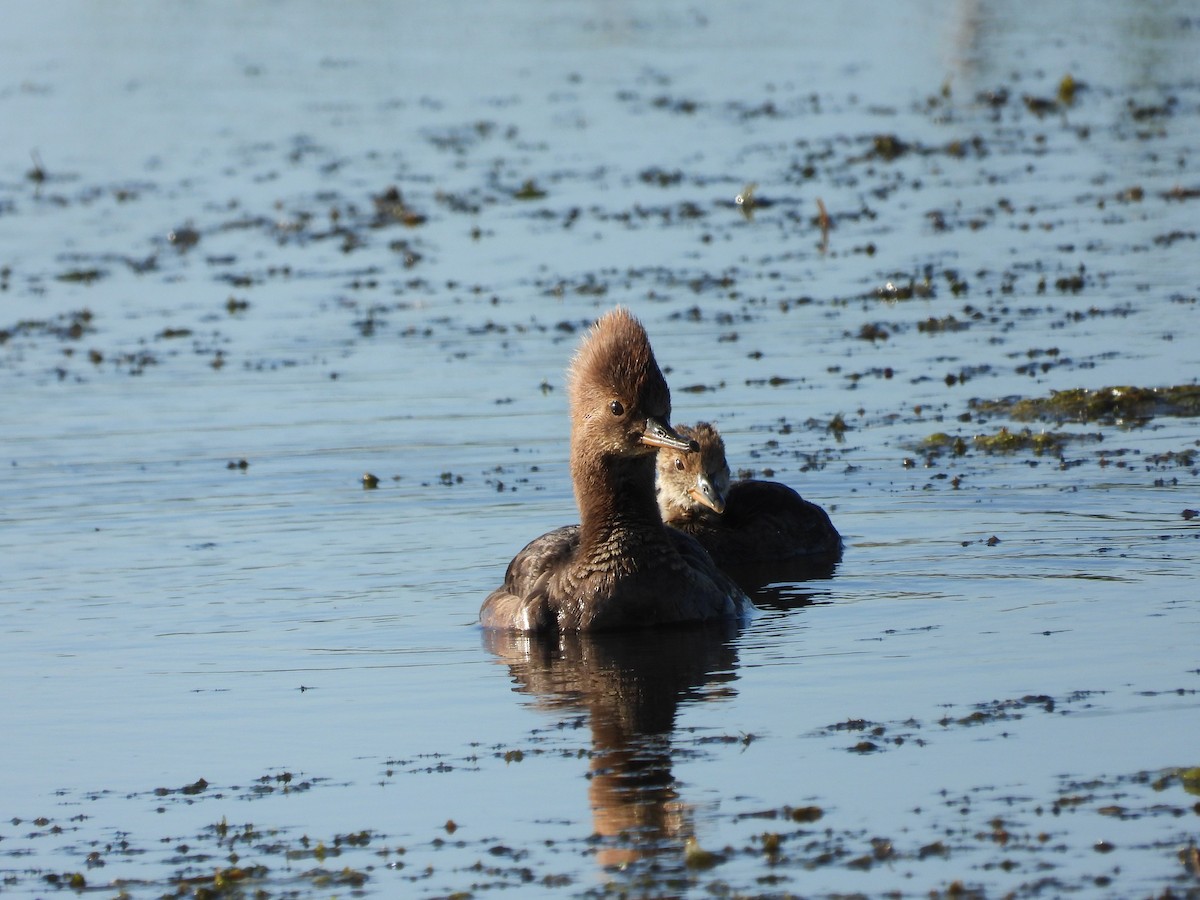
(688, 483)
(620, 402)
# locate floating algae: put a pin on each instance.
(1003, 441)
(1109, 405)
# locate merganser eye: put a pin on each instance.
(617, 408)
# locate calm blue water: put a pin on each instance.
(1008, 715)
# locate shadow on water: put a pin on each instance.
(630, 687)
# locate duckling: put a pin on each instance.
(745, 526)
(620, 567)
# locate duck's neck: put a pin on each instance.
(616, 501)
(669, 508)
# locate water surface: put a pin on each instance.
(250, 255)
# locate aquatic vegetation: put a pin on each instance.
(873, 331)
(696, 857)
(183, 238)
(529, 190)
(390, 207)
(945, 324)
(1067, 89)
(1125, 405)
(900, 290)
(1003, 441)
(888, 147)
(1184, 459)
(81, 276)
(70, 326)
(37, 174)
(1189, 778)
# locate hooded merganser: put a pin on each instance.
(620, 567)
(747, 524)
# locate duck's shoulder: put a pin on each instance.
(523, 602)
(542, 556)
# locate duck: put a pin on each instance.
(620, 567)
(746, 526)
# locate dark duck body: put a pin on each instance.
(621, 567)
(754, 530)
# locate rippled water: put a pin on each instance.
(228, 667)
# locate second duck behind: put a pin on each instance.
(751, 528)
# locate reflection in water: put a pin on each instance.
(630, 685)
(784, 583)
(981, 43)
(793, 590)
(960, 39)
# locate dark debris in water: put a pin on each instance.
(862, 735)
(982, 134)
(777, 844)
(65, 327)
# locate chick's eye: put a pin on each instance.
(678, 464)
(617, 408)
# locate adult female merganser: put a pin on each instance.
(745, 525)
(620, 567)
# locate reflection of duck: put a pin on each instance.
(755, 530)
(630, 685)
(620, 567)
